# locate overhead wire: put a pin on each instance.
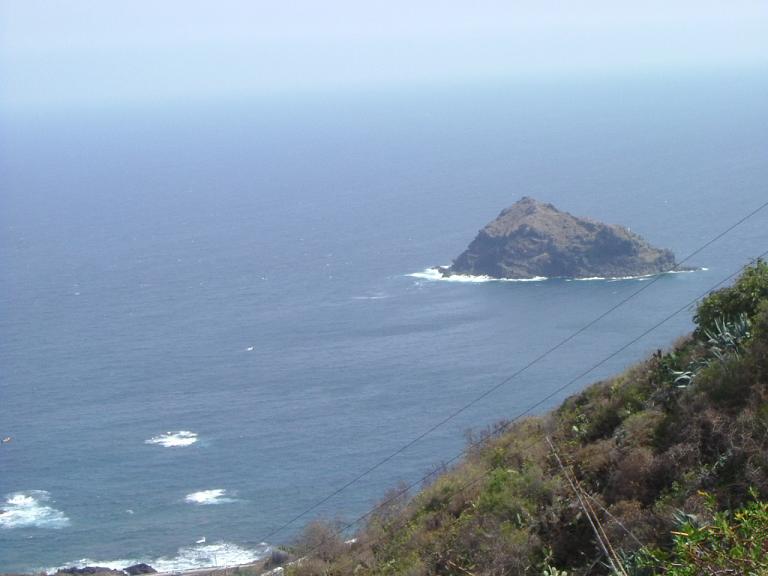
(408, 487)
(511, 377)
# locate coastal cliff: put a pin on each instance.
(665, 463)
(531, 239)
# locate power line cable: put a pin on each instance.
(634, 340)
(509, 378)
(618, 522)
(484, 474)
(589, 512)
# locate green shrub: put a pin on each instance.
(513, 496)
(730, 544)
(744, 297)
(726, 383)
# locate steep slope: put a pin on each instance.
(660, 447)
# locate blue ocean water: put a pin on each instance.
(208, 322)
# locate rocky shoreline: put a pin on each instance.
(271, 565)
(259, 568)
(133, 570)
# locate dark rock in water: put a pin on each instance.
(139, 569)
(89, 570)
(531, 239)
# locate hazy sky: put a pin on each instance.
(106, 50)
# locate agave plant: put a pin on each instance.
(683, 377)
(683, 519)
(728, 336)
(723, 343)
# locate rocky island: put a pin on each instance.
(533, 239)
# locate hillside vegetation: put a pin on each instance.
(660, 470)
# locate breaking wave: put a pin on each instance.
(434, 274)
(174, 439)
(28, 509)
(208, 497)
(641, 277)
(217, 554)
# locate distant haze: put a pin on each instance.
(107, 51)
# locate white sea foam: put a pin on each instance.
(217, 554)
(174, 439)
(688, 271)
(645, 277)
(434, 274)
(208, 497)
(28, 509)
(376, 296)
(611, 278)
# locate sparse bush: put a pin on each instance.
(630, 525)
(594, 461)
(630, 478)
(309, 567)
(276, 558)
(640, 429)
(726, 383)
(320, 540)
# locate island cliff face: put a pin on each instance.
(531, 239)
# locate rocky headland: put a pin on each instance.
(533, 239)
